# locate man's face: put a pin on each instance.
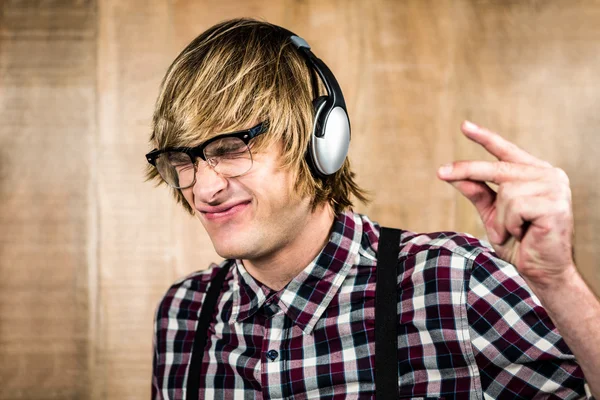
(250, 216)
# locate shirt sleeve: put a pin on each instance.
(156, 395)
(517, 348)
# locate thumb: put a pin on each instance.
(478, 193)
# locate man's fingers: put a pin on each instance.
(515, 217)
(480, 194)
(484, 171)
(501, 148)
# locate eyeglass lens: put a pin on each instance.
(229, 157)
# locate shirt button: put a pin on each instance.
(272, 355)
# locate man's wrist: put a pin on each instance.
(566, 296)
(568, 280)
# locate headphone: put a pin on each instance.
(330, 138)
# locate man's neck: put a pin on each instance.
(277, 269)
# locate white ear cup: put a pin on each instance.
(330, 150)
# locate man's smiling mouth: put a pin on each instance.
(223, 211)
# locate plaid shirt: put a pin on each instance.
(469, 327)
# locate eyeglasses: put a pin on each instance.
(228, 154)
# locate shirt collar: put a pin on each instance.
(307, 296)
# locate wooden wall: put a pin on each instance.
(87, 248)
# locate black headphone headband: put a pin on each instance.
(331, 84)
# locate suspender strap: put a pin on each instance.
(386, 315)
(208, 309)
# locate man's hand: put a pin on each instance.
(529, 220)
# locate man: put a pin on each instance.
(295, 316)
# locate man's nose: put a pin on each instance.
(208, 182)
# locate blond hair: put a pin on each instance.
(235, 74)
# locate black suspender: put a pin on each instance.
(206, 314)
(386, 320)
(386, 315)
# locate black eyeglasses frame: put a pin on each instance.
(245, 135)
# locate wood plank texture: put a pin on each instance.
(135, 254)
(47, 120)
(88, 248)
